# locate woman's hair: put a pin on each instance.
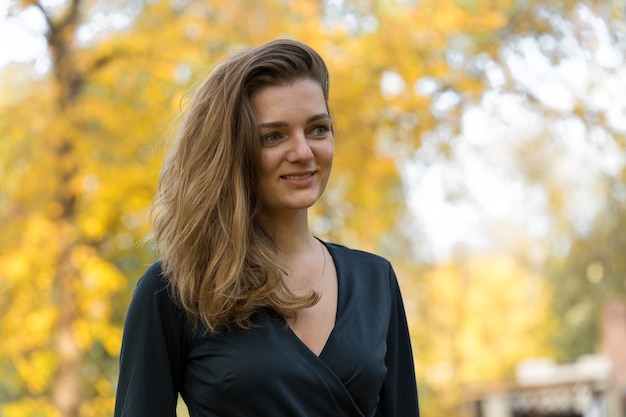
(220, 265)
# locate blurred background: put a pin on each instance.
(480, 146)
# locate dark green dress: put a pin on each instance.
(364, 370)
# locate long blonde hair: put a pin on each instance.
(220, 264)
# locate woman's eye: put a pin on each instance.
(270, 138)
(320, 130)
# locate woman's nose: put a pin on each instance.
(300, 149)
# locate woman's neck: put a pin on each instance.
(289, 232)
(300, 253)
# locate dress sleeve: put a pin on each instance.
(398, 396)
(153, 349)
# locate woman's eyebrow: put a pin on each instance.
(273, 124)
(318, 116)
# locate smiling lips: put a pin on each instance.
(298, 177)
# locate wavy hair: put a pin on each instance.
(220, 264)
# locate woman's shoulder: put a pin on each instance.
(153, 287)
(364, 275)
(152, 280)
(152, 299)
(356, 256)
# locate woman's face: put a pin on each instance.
(297, 145)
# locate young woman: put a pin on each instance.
(246, 313)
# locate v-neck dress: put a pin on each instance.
(364, 370)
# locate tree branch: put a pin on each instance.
(45, 14)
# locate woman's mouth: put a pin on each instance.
(297, 177)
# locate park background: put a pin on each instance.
(480, 146)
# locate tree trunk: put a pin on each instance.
(67, 394)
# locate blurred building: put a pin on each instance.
(593, 386)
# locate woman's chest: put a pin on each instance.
(267, 364)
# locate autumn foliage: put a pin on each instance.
(81, 142)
